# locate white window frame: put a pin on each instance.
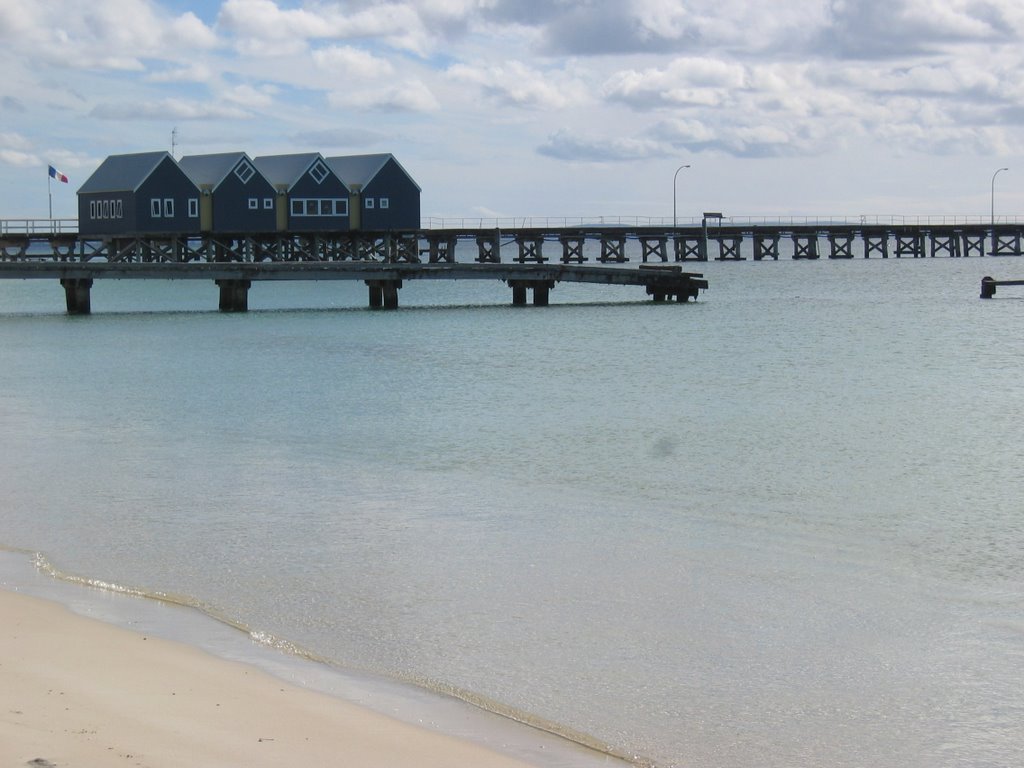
(92, 209)
(384, 204)
(340, 207)
(298, 207)
(368, 204)
(155, 211)
(168, 207)
(118, 209)
(319, 172)
(244, 171)
(254, 203)
(193, 207)
(105, 209)
(268, 203)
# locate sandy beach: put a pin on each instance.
(78, 692)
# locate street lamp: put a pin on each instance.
(994, 198)
(995, 240)
(674, 177)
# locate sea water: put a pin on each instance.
(779, 526)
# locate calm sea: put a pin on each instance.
(780, 526)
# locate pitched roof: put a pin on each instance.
(360, 169)
(123, 173)
(210, 169)
(285, 170)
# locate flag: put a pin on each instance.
(55, 174)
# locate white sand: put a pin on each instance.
(77, 692)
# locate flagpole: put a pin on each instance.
(49, 194)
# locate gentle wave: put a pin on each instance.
(282, 645)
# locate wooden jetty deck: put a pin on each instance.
(383, 278)
(528, 259)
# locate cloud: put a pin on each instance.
(331, 138)
(351, 63)
(166, 109)
(868, 29)
(514, 83)
(407, 96)
(565, 145)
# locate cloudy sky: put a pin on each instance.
(539, 107)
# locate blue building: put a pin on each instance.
(234, 196)
(310, 196)
(386, 197)
(143, 193)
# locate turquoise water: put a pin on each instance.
(778, 526)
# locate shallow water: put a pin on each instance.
(777, 526)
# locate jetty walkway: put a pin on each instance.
(529, 259)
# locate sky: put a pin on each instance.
(539, 108)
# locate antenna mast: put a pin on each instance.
(174, 140)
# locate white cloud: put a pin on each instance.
(167, 110)
(407, 96)
(567, 145)
(517, 84)
(348, 63)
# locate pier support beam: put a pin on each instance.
(541, 291)
(489, 248)
(572, 248)
(234, 295)
(76, 294)
(689, 248)
(383, 293)
(729, 247)
(766, 245)
(805, 245)
(840, 245)
(613, 248)
(875, 241)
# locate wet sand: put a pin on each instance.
(75, 691)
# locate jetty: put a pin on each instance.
(989, 284)
(531, 258)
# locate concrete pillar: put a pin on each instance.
(541, 292)
(76, 295)
(234, 295)
(390, 292)
(518, 295)
(376, 294)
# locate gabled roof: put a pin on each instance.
(360, 169)
(123, 173)
(211, 170)
(285, 170)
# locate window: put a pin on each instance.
(319, 172)
(369, 203)
(193, 207)
(154, 208)
(92, 209)
(320, 206)
(268, 203)
(244, 171)
(119, 209)
(254, 204)
(105, 209)
(168, 208)
(384, 203)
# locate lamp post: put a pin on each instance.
(993, 210)
(674, 177)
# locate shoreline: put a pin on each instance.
(88, 677)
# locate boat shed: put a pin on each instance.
(138, 193)
(235, 196)
(386, 196)
(310, 196)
